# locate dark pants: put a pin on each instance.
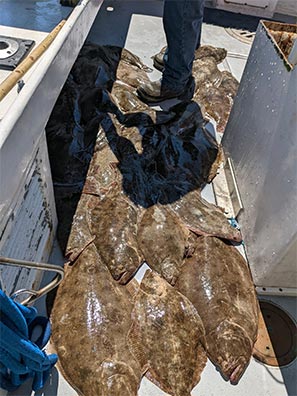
(182, 21)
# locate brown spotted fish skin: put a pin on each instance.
(114, 224)
(215, 89)
(78, 241)
(91, 318)
(162, 239)
(216, 279)
(167, 336)
(204, 218)
(216, 99)
(205, 51)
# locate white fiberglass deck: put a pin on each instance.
(139, 28)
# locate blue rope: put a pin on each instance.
(20, 357)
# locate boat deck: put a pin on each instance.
(139, 29)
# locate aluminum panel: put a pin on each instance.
(261, 139)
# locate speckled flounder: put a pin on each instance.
(216, 100)
(204, 218)
(90, 321)
(215, 90)
(167, 336)
(162, 239)
(114, 223)
(216, 279)
(80, 237)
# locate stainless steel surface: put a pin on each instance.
(232, 187)
(35, 294)
(277, 291)
(225, 189)
(261, 139)
(8, 47)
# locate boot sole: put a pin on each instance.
(184, 96)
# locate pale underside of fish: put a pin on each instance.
(91, 318)
(216, 279)
(167, 336)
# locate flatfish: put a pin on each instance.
(162, 239)
(208, 51)
(167, 336)
(103, 175)
(204, 51)
(132, 110)
(80, 236)
(216, 100)
(205, 70)
(206, 73)
(204, 218)
(131, 74)
(114, 225)
(91, 318)
(216, 279)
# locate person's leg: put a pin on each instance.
(182, 20)
(161, 56)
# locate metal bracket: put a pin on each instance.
(13, 50)
(276, 291)
(35, 294)
(232, 187)
(226, 191)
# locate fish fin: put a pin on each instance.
(73, 254)
(135, 346)
(125, 277)
(153, 377)
(67, 267)
(201, 363)
(132, 287)
(67, 378)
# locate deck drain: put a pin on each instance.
(276, 343)
(245, 36)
